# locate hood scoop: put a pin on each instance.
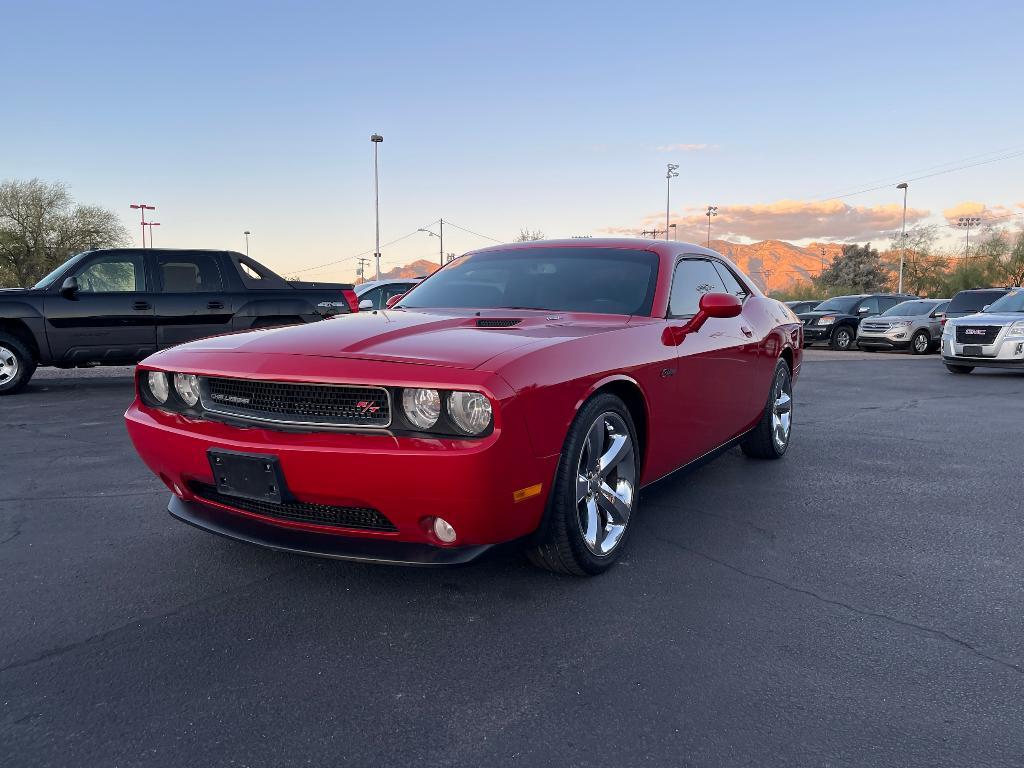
(497, 322)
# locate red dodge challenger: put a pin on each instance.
(523, 392)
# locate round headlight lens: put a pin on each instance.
(422, 407)
(187, 386)
(158, 386)
(470, 411)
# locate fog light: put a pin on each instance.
(443, 530)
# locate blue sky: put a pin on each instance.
(560, 117)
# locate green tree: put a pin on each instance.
(41, 226)
(858, 269)
(924, 269)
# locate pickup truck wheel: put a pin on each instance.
(842, 339)
(921, 343)
(16, 364)
(595, 492)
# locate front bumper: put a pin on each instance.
(409, 480)
(1003, 353)
(814, 333)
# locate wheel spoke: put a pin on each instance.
(616, 452)
(783, 403)
(592, 531)
(595, 441)
(616, 503)
(582, 488)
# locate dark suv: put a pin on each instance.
(835, 320)
(972, 301)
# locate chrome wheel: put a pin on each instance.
(920, 343)
(605, 483)
(9, 365)
(782, 409)
(843, 339)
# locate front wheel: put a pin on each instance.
(770, 438)
(595, 492)
(842, 339)
(920, 344)
(16, 364)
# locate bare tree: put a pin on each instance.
(525, 235)
(41, 226)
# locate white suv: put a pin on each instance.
(992, 338)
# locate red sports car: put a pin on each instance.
(523, 392)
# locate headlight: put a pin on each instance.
(1017, 329)
(470, 411)
(900, 324)
(187, 386)
(947, 331)
(158, 387)
(422, 407)
(827, 320)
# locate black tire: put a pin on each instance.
(561, 547)
(842, 338)
(959, 368)
(916, 345)
(16, 364)
(761, 442)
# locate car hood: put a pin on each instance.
(419, 337)
(896, 318)
(814, 313)
(988, 318)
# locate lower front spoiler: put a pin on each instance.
(298, 542)
(985, 362)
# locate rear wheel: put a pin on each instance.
(594, 495)
(770, 438)
(959, 368)
(920, 343)
(16, 364)
(842, 338)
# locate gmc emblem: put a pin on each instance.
(974, 331)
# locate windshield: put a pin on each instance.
(911, 309)
(601, 280)
(972, 301)
(45, 282)
(838, 304)
(1011, 302)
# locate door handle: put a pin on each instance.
(141, 305)
(746, 331)
(215, 305)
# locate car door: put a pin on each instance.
(193, 301)
(715, 364)
(109, 318)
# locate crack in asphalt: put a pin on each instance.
(847, 606)
(99, 637)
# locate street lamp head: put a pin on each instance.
(376, 138)
(247, 232)
(903, 185)
(672, 171)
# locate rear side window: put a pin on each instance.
(189, 273)
(692, 279)
(973, 301)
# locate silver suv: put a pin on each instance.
(915, 325)
(992, 338)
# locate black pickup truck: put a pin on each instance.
(117, 306)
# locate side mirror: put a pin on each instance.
(365, 305)
(69, 287)
(863, 310)
(722, 305)
(394, 300)
(985, 308)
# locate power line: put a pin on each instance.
(470, 231)
(364, 253)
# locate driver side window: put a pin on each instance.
(116, 273)
(692, 279)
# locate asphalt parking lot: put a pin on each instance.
(858, 603)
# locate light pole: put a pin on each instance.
(712, 211)
(376, 139)
(151, 224)
(439, 237)
(966, 222)
(903, 234)
(675, 233)
(142, 207)
(247, 233)
(671, 173)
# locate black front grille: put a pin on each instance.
(977, 334)
(273, 401)
(497, 322)
(360, 518)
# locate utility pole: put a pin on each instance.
(440, 237)
(376, 139)
(361, 269)
(903, 234)
(966, 222)
(670, 174)
(822, 261)
(712, 211)
(675, 232)
(142, 208)
(247, 233)
(767, 276)
(151, 224)
(654, 233)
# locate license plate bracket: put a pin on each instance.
(972, 350)
(248, 475)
